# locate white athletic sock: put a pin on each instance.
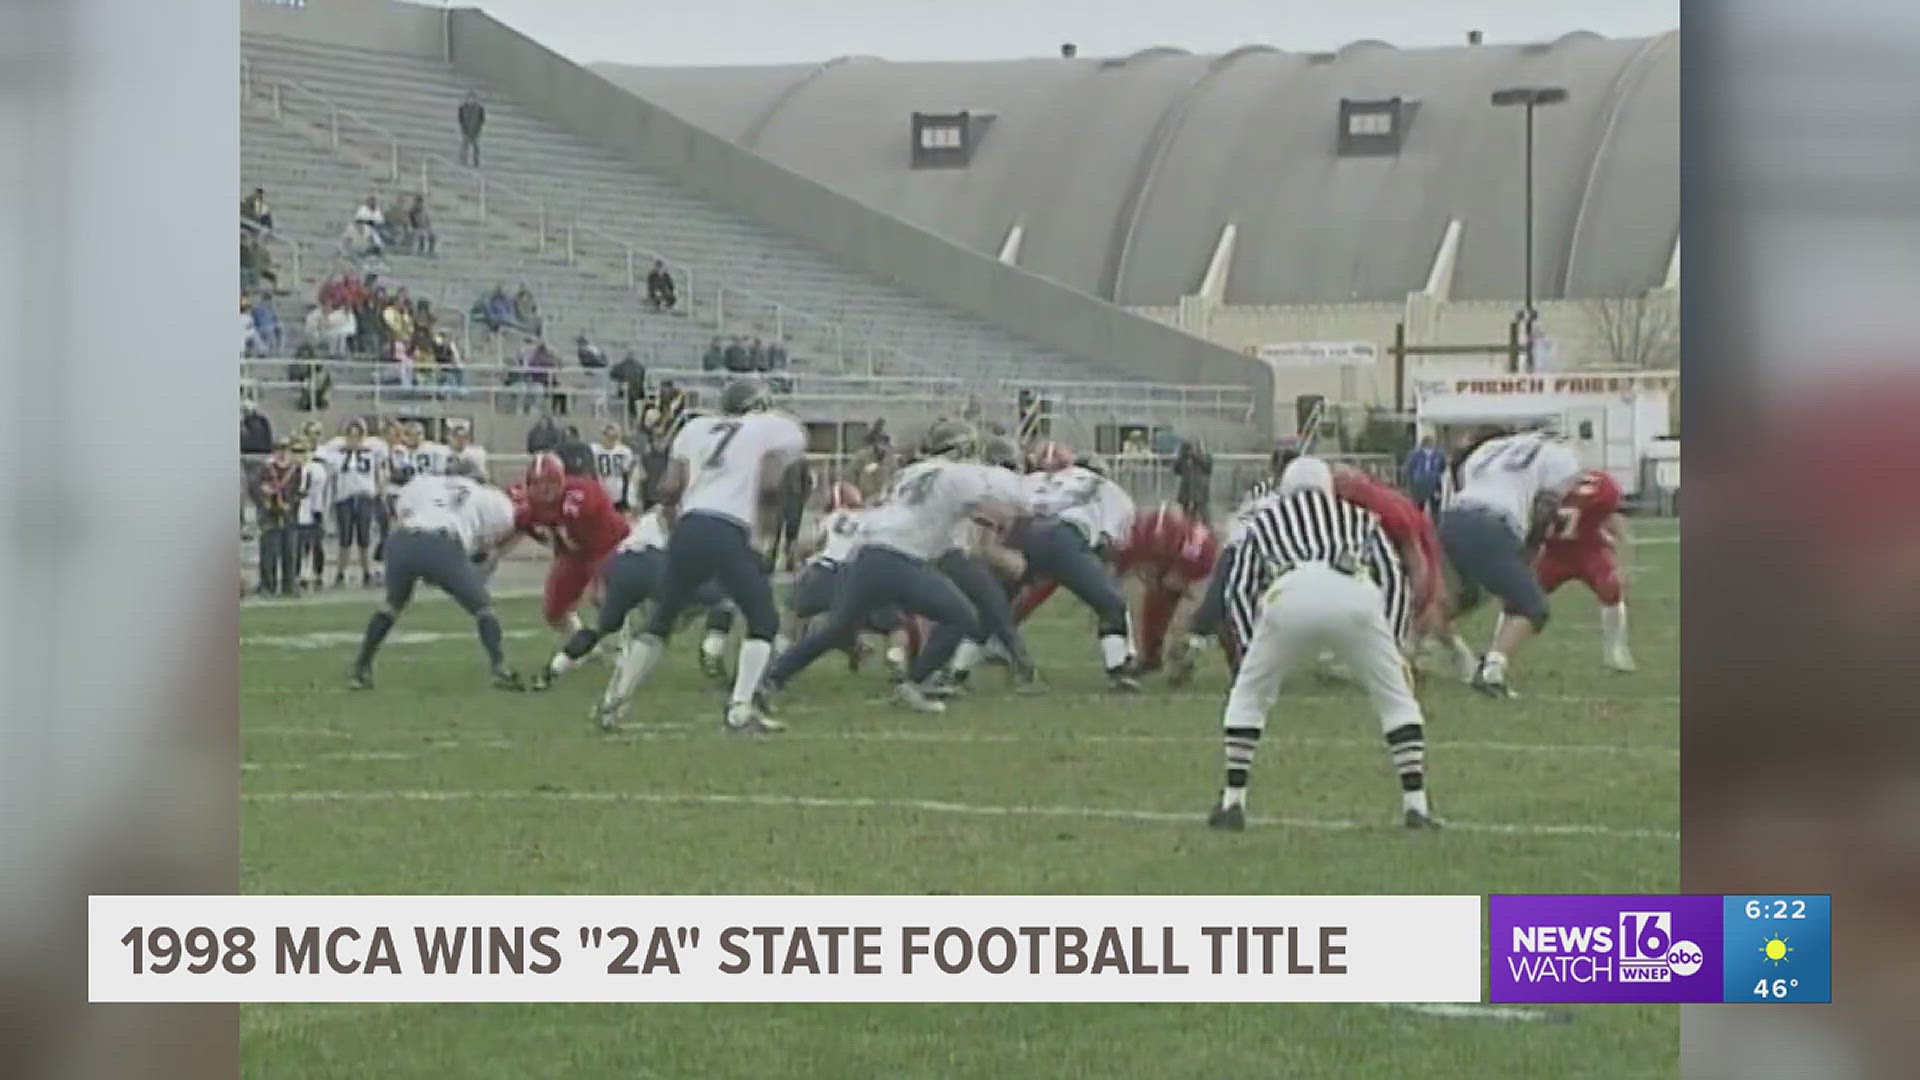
(1495, 661)
(1415, 801)
(560, 664)
(1114, 651)
(781, 643)
(713, 644)
(755, 655)
(967, 656)
(636, 662)
(1613, 626)
(1231, 797)
(1196, 645)
(896, 656)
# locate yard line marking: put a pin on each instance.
(648, 732)
(334, 639)
(933, 806)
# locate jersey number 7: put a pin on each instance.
(727, 429)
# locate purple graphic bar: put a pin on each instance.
(1569, 949)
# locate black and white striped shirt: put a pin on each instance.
(1314, 527)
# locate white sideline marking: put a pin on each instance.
(1478, 1012)
(932, 806)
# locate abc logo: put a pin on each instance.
(1685, 958)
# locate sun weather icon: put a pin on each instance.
(1776, 949)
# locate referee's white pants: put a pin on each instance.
(1315, 609)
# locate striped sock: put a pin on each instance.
(1407, 744)
(1240, 745)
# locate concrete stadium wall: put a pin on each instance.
(884, 246)
(1571, 325)
(382, 25)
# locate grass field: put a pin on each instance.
(435, 784)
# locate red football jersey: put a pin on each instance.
(1403, 522)
(583, 522)
(1594, 498)
(1195, 558)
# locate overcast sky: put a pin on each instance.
(702, 32)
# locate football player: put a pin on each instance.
(357, 463)
(1173, 558)
(827, 553)
(982, 566)
(449, 532)
(613, 464)
(572, 516)
(1508, 484)
(424, 455)
(633, 575)
(1076, 514)
(1209, 619)
(461, 448)
(1579, 543)
(722, 477)
(892, 563)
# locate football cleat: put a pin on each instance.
(1491, 680)
(942, 685)
(542, 680)
(507, 679)
(714, 666)
(360, 679)
(1180, 670)
(747, 720)
(910, 696)
(607, 716)
(1622, 661)
(1122, 683)
(1230, 818)
(1414, 819)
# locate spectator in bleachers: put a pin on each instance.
(449, 367)
(630, 378)
(398, 320)
(776, 356)
(660, 290)
(424, 320)
(420, 237)
(715, 358)
(589, 355)
(737, 357)
(315, 381)
(472, 116)
(495, 309)
(757, 356)
(338, 328)
(255, 213)
(526, 313)
(544, 435)
(266, 325)
(1193, 467)
(371, 225)
(250, 344)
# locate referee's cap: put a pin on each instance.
(1306, 473)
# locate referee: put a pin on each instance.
(1317, 574)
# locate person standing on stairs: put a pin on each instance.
(472, 116)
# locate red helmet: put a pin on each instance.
(844, 496)
(1160, 532)
(1050, 456)
(546, 477)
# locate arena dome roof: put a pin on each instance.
(1123, 171)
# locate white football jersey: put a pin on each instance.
(481, 517)
(430, 459)
(1079, 497)
(355, 469)
(612, 464)
(927, 502)
(649, 531)
(1009, 488)
(473, 454)
(837, 533)
(316, 481)
(1506, 474)
(725, 456)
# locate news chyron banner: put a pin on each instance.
(862, 949)
(1674, 949)
(871, 949)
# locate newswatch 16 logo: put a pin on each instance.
(1604, 948)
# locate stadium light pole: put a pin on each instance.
(1530, 97)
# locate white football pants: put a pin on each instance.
(1315, 609)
